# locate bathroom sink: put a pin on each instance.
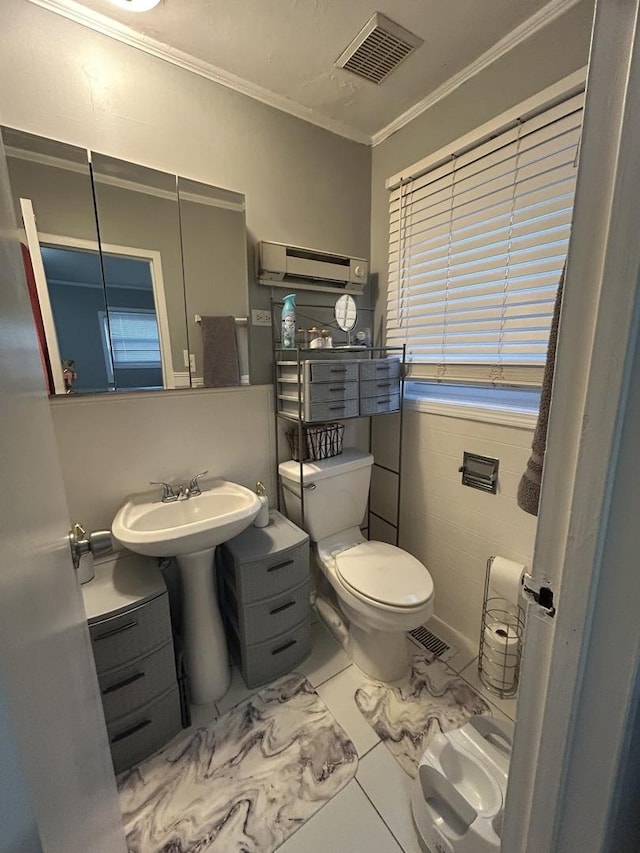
(159, 529)
(190, 530)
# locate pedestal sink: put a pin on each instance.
(190, 530)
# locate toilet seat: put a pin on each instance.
(383, 574)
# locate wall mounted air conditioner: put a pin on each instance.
(294, 267)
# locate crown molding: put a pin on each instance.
(126, 35)
(544, 16)
(120, 32)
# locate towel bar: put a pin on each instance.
(239, 321)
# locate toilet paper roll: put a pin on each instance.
(500, 656)
(505, 580)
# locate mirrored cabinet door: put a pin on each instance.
(214, 257)
(52, 193)
(139, 227)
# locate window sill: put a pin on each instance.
(473, 412)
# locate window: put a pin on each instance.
(477, 245)
(130, 339)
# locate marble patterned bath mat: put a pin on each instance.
(245, 783)
(406, 716)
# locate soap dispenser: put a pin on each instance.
(262, 518)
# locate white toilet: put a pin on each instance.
(382, 591)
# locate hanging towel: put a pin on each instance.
(529, 488)
(219, 352)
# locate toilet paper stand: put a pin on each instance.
(501, 634)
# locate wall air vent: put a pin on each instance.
(378, 49)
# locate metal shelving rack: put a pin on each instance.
(300, 354)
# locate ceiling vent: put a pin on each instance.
(379, 47)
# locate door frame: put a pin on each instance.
(579, 669)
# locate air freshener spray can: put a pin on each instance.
(289, 321)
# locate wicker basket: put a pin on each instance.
(320, 442)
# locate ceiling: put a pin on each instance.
(283, 51)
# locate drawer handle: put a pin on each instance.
(281, 608)
(121, 629)
(127, 681)
(284, 647)
(138, 727)
(338, 370)
(338, 388)
(383, 367)
(337, 408)
(280, 566)
(383, 402)
(383, 385)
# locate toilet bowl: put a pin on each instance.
(382, 591)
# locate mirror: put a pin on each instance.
(345, 312)
(139, 222)
(214, 260)
(120, 260)
(53, 182)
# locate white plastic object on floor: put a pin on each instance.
(458, 796)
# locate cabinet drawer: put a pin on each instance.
(262, 662)
(330, 410)
(380, 387)
(144, 731)
(321, 392)
(376, 405)
(332, 371)
(275, 615)
(270, 575)
(378, 368)
(131, 635)
(130, 687)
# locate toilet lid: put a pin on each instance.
(385, 574)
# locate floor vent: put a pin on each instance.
(425, 639)
(378, 49)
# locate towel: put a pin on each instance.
(219, 352)
(529, 488)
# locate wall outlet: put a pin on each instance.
(260, 318)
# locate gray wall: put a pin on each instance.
(551, 54)
(303, 185)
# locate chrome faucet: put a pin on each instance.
(193, 488)
(171, 493)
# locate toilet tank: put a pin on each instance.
(336, 492)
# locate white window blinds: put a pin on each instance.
(133, 334)
(476, 249)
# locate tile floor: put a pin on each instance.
(372, 813)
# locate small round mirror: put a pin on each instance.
(346, 312)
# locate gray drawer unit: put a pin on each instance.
(264, 594)
(264, 561)
(135, 684)
(328, 390)
(132, 634)
(137, 735)
(380, 387)
(262, 662)
(380, 405)
(128, 612)
(271, 616)
(377, 368)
